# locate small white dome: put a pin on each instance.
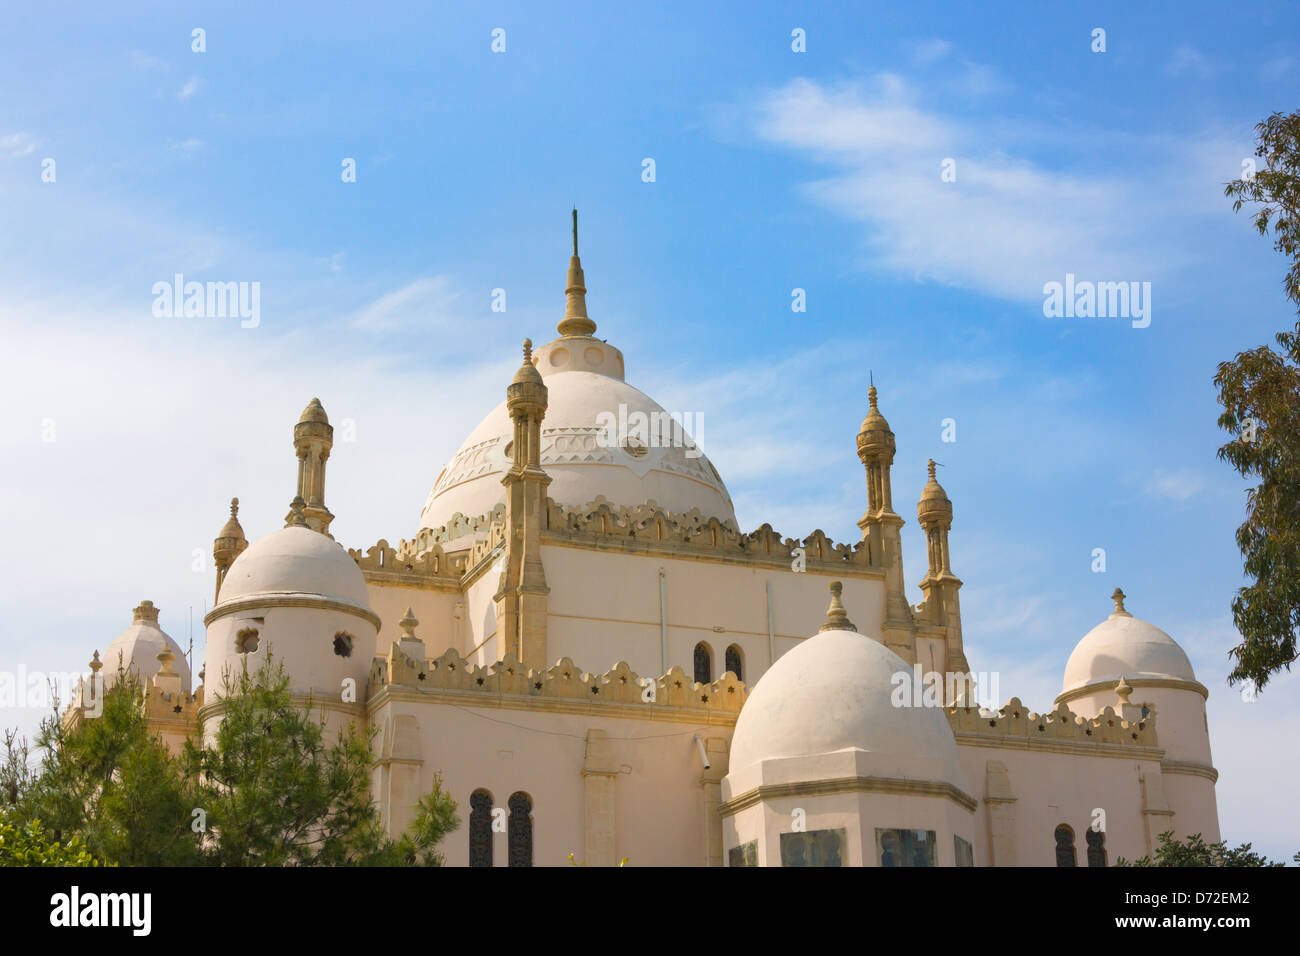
(833, 693)
(1124, 646)
(137, 648)
(296, 560)
(584, 378)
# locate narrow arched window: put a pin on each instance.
(733, 661)
(703, 664)
(1096, 841)
(480, 828)
(520, 829)
(1065, 846)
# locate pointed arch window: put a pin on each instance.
(1096, 841)
(480, 828)
(1065, 846)
(703, 664)
(734, 662)
(520, 829)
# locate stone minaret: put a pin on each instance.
(522, 595)
(940, 585)
(229, 544)
(313, 437)
(881, 529)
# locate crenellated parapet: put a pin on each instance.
(383, 564)
(1016, 725)
(563, 683)
(457, 528)
(601, 524)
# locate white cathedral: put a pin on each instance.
(727, 718)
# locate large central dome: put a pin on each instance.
(600, 437)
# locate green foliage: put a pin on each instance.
(268, 790)
(1260, 394)
(27, 844)
(276, 793)
(114, 784)
(1194, 851)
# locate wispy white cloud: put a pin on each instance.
(1005, 226)
(16, 145)
(189, 89)
(925, 52)
(1178, 485)
(191, 145)
(425, 303)
(140, 60)
(1188, 60)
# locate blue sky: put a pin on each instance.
(775, 170)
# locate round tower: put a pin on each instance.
(295, 594)
(1136, 668)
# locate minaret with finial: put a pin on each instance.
(229, 544)
(881, 527)
(575, 321)
(940, 585)
(313, 439)
(521, 596)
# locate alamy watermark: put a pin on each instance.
(639, 431)
(208, 300)
(917, 688)
(1084, 299)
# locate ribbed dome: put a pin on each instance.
(833, 693)
(296, 560)
(1124, 646)
(584, 377)
(137, 648)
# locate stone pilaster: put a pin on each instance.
(599, 773)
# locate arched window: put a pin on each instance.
(703, 664)
(1065, 846)
(480, 828)
(733, 661)
(1096, 841)
(520, 829)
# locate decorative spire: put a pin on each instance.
(931, 469)
(96, 664)
(296, 518)
(575, 321)
(527, 371)
(1118, 597)
(837, 619)
(145, 613)
(408, 624)
(1123, 690)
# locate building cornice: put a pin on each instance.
(265, 599)
(819, 788)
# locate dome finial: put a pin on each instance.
(145, 613)
(408, 624)
(1118, 597)
(528, 350)
(575, 321)
(1123, 690)
(931, 467)
(296, 518)
(837, 619)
